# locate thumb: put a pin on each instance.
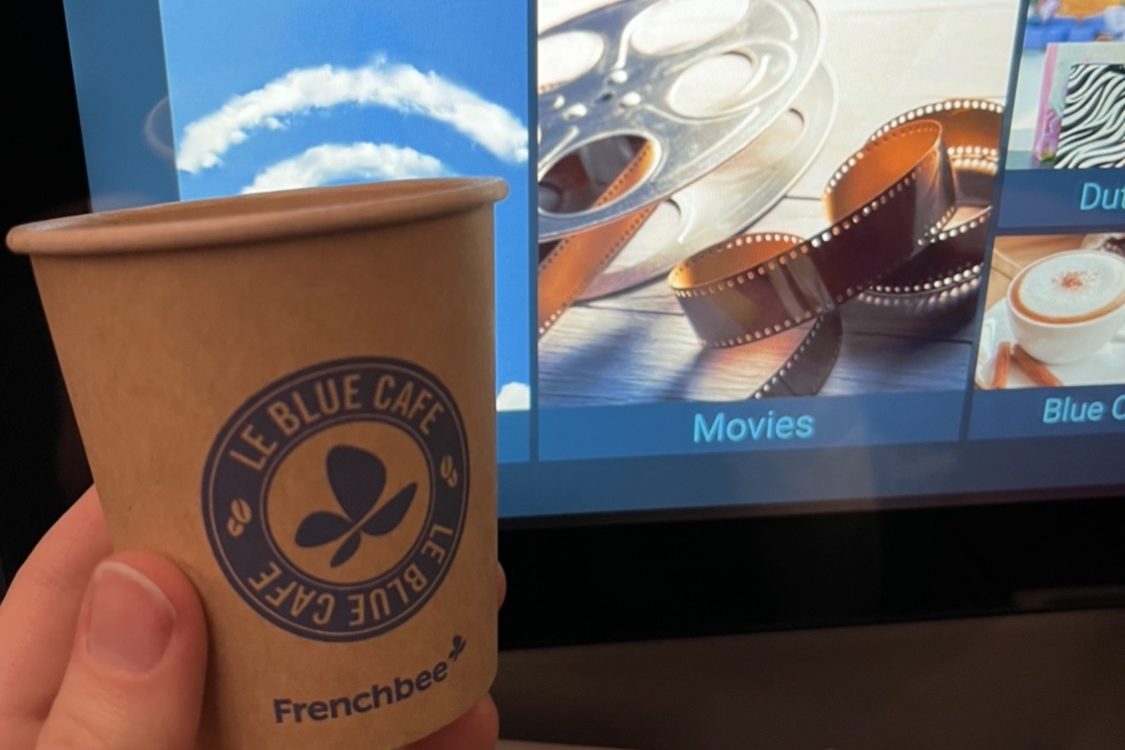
(135, 678)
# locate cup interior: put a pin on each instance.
(1015, 311)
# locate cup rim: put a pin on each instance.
(1013, 310)
(245, 219)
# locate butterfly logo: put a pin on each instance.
(459, 644)
(357, 478)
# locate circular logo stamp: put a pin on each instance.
(334, 499)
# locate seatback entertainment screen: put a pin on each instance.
(758, 254)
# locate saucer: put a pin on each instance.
(1106, 366)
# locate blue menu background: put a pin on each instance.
(645, 458)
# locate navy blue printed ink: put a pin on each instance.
(357, 478)
(371, 697)
(458, 647)
(335, 498)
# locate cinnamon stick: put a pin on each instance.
(1035, 369)
(1000, 367)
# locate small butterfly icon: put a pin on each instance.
(459, 644)
(358, 479)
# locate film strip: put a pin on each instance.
(804, 372)
(910, 212)
(573, 264)
(971, 132)
(886, 203)
(923, 234)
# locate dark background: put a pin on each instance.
(44, 175)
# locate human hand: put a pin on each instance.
(107, 651)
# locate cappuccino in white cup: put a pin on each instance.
(1066, 306)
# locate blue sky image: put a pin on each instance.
(277, 94)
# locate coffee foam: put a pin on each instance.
(1071, 287)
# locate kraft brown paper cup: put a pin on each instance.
(291, 395)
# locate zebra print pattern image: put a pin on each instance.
(1093, 122)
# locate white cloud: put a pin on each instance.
(514, 397)
(331, 162)
(400, 87)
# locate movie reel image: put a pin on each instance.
(752, 199)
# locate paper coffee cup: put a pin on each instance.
(291, 395)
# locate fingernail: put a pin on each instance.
(131, 619)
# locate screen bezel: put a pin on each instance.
(579, 580)
(606, 578)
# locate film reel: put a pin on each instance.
(728, 199)
(630, 83)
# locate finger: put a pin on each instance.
(38, 616)
(135, 677)
(478, 729)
